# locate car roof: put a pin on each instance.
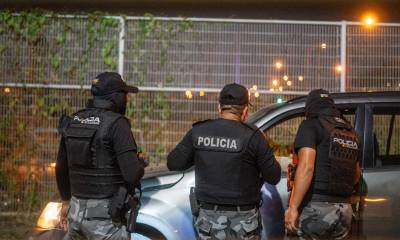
(366, 96)
(267, 114)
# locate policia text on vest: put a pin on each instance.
(232, 160)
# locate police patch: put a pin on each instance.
(89, 120)
(218, 143)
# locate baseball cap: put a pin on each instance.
(109, 82)
(318, 95)
(234, 94)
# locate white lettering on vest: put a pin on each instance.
(346, 143)
(89, 120)
(217, 142)
(199, 140)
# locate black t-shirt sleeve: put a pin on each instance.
(62, 173)
(265, 159)
(181, 157)
(125, 148)
(122, 137)
(307, 135)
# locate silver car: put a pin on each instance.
(165, 211)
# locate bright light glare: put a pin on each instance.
(323, 45)
(285, 77)
(256, 94)
(279, 100)
(338, 68)
(369, 20)
(280, 88)
(202, 93)
(275, 82)
(50, 217)
(375, 199)
(301, 78)
(278, 65)
(53, 165)
(289, 83)
(7, 90)
(189, 94)
(254, 87)
(271, 89)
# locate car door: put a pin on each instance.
(381, 213)
(280, 132)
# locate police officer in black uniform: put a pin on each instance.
(97, 158)
(328, 153)
(231, 159)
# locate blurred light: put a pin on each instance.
(323, 46)
(285, 77)
(271, 89)
(189, 94)
(53, 165)
(301, 78)
(256, 94)
(338, 68)
(50, 216)
(278, 65)
(275, 82)
(280, 88)
(7, 90)
(375, 199)
(279, 99)
(254, 87)
(202, 93)
(289, 83)
(369, 20)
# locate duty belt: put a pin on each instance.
(224, 207)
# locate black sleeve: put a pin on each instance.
(307, 135)
(181, 157)
(125, 148)
(62, 175)
(265, 159)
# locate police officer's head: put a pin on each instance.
(319, 101)
(111, 87)
(234, 102)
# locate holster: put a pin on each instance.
(194, 204)
(117, 205)
(134, 205)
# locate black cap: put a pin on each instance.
(234, 94)
(110, 82)
(318, 95)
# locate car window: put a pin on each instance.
(386, 134)
(281, 136)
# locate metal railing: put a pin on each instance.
(180, 66)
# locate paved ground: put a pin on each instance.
(15, 226)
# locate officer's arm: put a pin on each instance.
(62, 175)
(304, 175)
(125, 148)
(357, 174)
(266, 162)
(181, 157)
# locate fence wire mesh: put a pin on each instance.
(47, 73)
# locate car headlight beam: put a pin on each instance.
(50, 216)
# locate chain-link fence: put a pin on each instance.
(47, 63)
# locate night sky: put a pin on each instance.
(352, 10)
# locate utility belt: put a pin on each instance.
(329, 198)
(225, 207)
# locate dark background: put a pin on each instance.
(352, 10)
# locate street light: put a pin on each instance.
(278, 65)
(369, 20)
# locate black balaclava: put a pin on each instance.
(319, 102)
(118, 100)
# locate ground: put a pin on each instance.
(15, 226)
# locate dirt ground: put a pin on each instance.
(15, 226)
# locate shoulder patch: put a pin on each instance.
(200, 122)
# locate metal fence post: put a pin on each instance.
(343, 42)
(121, 46)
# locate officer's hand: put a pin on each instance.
(143, 158)
(292, 220)
(64, 215)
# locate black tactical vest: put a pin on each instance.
(224, 170)
(337, 155)
(93, 171)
